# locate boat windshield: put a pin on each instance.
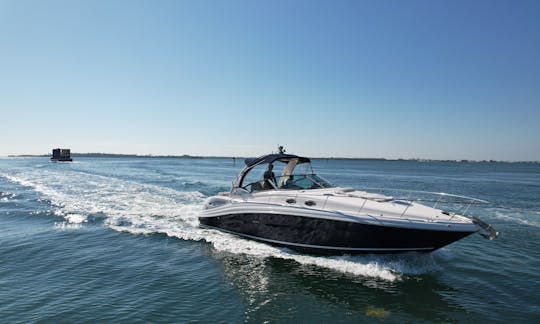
(291, 182)
(290, 174)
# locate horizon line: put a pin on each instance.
(102, 154)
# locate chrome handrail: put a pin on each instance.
(442, 194)
(465, 203)
(439, 198)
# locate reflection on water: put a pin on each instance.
(275, 289)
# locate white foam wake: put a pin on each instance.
(125, 204)
(139, 208)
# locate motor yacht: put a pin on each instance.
(279, 200)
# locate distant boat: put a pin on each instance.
(61, 155)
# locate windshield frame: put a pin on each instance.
(289, 182)
(288, 165)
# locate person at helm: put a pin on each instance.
(269, 178)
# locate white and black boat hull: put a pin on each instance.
(334, 236)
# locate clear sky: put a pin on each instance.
(395, 79)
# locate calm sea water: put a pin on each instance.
(117, 239)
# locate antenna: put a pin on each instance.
(281, 150)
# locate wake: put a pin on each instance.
(138, 208)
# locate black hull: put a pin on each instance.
(331, 237)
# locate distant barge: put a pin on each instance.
(61, 155)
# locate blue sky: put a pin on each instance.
(394, 79)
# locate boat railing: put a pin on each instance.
(449, 204)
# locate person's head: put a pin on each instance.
(270, 167)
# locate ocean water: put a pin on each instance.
(117, 239)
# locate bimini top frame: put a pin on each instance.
(266, 159)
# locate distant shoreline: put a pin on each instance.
(186, 156)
